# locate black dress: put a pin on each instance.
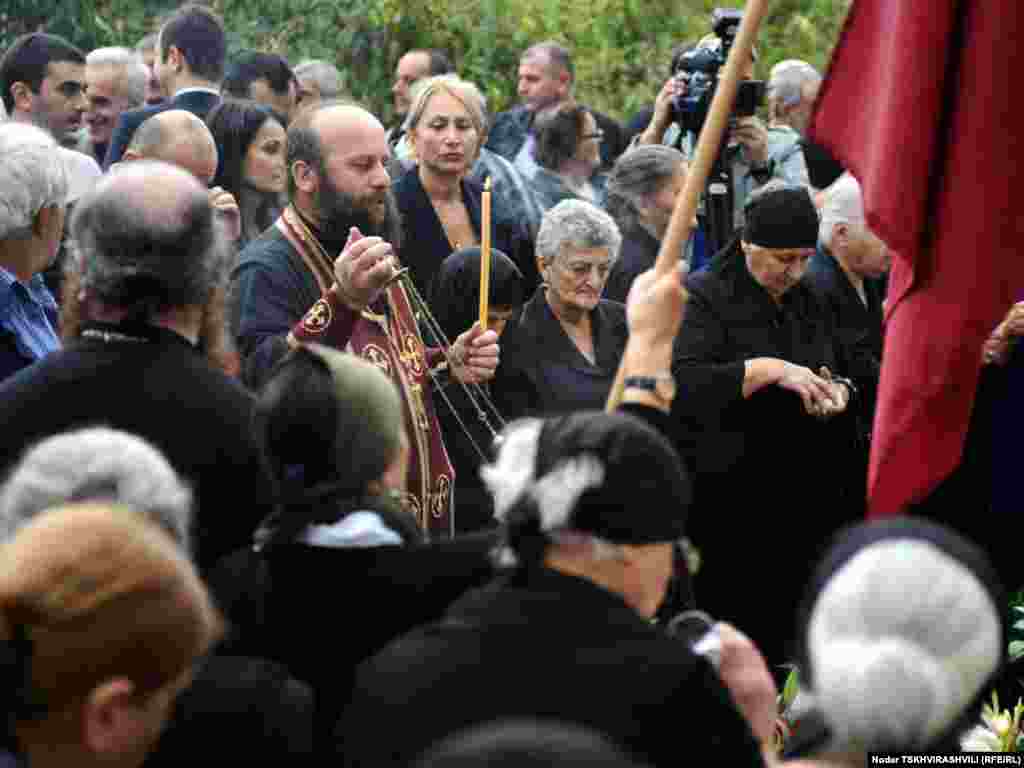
(541, 370)
(771, 482)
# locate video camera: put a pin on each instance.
(699, 69)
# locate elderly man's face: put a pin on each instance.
(60, 105)
(864, 251)
(540, 83)
(107, 100)
(576, 278)
(411, 67)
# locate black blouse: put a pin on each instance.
(425, 244)
(542, 371)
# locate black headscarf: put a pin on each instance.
(455, 291)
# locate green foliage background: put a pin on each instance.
(622, 48)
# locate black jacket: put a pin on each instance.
(542, 371)
(540, 644)
(165, 392)
(637, 254)
(858, 325)
(425, 245)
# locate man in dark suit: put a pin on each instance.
(142, 329)
(846, 274)
(189, 63)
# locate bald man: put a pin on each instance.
(321, 275)
(178, 137)
(145, 359)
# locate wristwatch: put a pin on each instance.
(762, 172)
(662, 386)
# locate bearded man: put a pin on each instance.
(324, 273)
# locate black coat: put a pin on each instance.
(381, 592)
(858, 325)
(542, 371)
(199, 103)
(540, 644)
(165, 392)
(771, 482)
(425, 245)
(637, 254)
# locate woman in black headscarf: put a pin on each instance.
(455, 299)
(764, 418)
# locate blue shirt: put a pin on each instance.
(28, 317)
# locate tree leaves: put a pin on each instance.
(621, 48)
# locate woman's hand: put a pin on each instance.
(997, 347)
(473, 357)
(363, 269)
(819, 395)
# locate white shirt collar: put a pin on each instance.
(201, 88)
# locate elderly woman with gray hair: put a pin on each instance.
(561, 349)
(642, 191)
(33, 193)
(97, 464)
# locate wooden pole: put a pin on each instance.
(485, 252)
(708, 144)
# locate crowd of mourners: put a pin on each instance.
(277, 477)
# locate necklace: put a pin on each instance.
(109, 336)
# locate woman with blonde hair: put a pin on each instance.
(102, 620)
(439, 205)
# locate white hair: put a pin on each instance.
(788, 78)
(512, 477)
(842, 203)
(900, 642)
(91, 465)
(328, 78)
(576, 224)
(32, 177)
(133, 71)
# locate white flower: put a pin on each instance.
(980, 739)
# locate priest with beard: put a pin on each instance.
(323, 273)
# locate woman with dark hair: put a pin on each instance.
(332, 432)
(765, 421)
(455, 299)
(568, 154)
(251, 145)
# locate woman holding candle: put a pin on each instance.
(441, 210)
(455, 301)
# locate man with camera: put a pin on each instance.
(755, 154)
